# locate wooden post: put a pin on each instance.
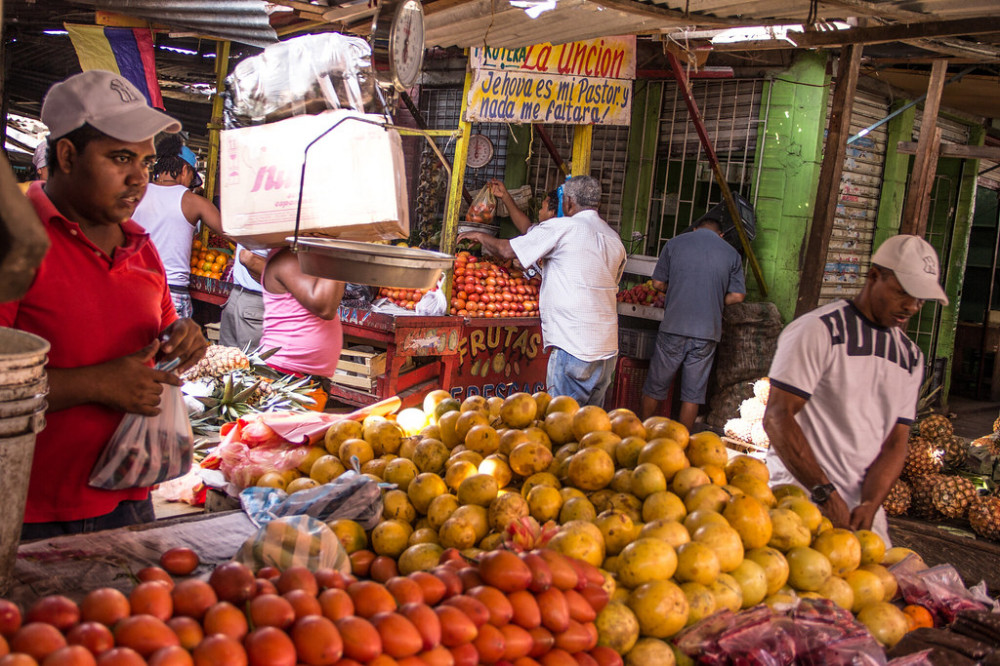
(916, 195)
(583, 136)
(927, 184)
(215, 124)
(828, 190)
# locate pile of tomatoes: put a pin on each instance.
(507, 608)
(484, 289)
(404, 298)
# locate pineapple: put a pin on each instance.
(955, 450)
(996, 425)
(924, 488)
(952, 496)
(984, 515)
(936, 427)
(991, 442)
(897, 502)
(219, 360)
(922, 459)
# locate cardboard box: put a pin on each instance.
(355, 182)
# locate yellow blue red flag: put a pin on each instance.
(124, 51)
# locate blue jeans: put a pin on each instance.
(128, 512)
(586, 382)
(673, 352)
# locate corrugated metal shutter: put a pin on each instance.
(850, 250)
(684, 188)
(609, 149)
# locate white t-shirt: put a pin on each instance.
(160, 214)
(241, 275)
(859, 380)
(583, 261)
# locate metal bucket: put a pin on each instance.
(15, 469)
(22, 357)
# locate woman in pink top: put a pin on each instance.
(301, 317)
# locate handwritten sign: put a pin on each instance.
(500, 361)
(606, 57)
(579, 83)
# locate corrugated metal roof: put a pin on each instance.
(244, 21)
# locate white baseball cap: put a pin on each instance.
(915, 264)
(106, 101)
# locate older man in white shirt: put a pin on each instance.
(583, 260)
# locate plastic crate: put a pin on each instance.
(637, 343)
(626, 387)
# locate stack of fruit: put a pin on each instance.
(459, 613)
(404, 298)
(678, 529)
(209, 262)
(485, 289)
(937, 484)
(642, 294)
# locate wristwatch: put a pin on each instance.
(821, 493)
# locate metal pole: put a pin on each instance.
(551, 147)
(898, 111)
(422, 124)
(720, 179)
(449, 228)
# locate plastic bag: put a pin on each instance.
(482, 208)
(294, 541)
(350, 496)
(146, 450)
(433, 303)
(939, 589)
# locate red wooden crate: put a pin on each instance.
(626, 387)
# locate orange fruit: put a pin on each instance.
(121, 656)
(225, 618)
(18, 659)
(92, 635)
(918, 616)
(297, 578)
(361, 639)
(303, 603)
(105, 605)
(179, 561)
(151, 598)
(336, 604)
(370, 598)
(71, 655)
(317, 641)
(37, 639)
(193, 597)
(10, 618)
(59, 611)
(145, 634)
(218, 649)
(270, 646)
(156, 573)
(188, 630)
(270, 610)
(171, 656)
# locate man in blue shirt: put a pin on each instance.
(700, 273)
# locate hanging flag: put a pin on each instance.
(124, 51)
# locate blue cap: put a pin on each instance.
(188, 156)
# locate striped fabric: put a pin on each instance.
(124, 51)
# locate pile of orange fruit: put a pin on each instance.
(508, 608)
(210, 262)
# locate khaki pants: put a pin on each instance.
(242, 319)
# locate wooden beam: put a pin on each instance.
(896, 32)
(991, 153)
(828, 190)
(928, 121)
(883, 10)
(348, 13)
(674, 15)
(927, 173)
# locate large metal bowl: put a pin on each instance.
(488, 229)
(369, 263)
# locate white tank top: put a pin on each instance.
(161, 215)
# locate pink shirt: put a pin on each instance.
(309, 344)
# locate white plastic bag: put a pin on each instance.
(146, 450)
(433, 303)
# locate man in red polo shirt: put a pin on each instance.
(100, 298)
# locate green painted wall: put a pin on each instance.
(897, 167)
(647, 96)
(790, 158)
(956, 259)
